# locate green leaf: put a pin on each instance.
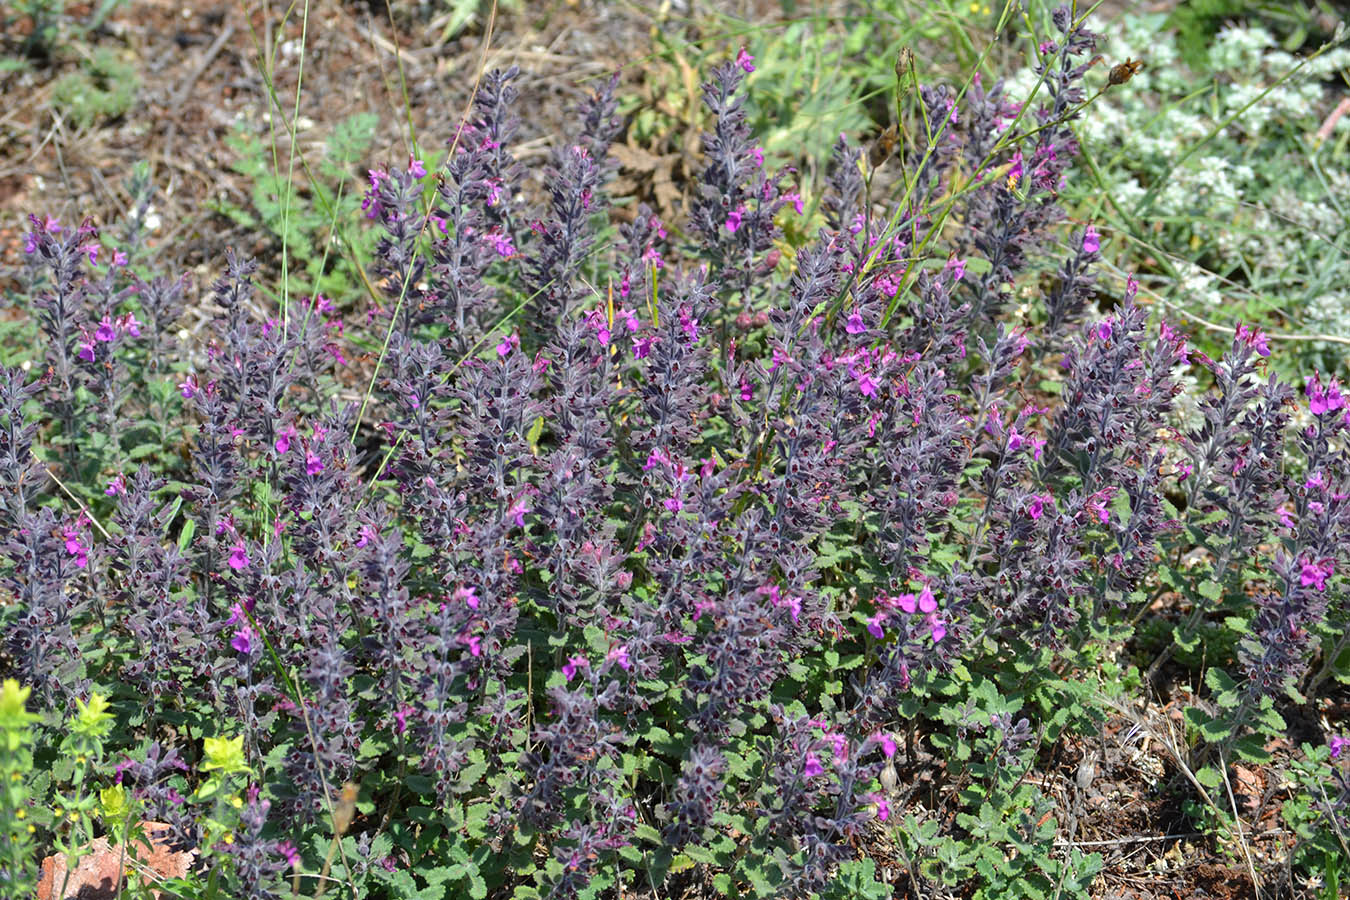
(1225, 688)
(1209, 777)
(1210, 589)
(185, 536)
(1186, 644)
(1210, 728)
(1251, 748)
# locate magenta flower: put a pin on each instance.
(313, 465)
(745, 60)
(735, 218)
(466, 593)
(673, 503)
(1185, 469)
(518, 509)
(416, 169)
(371, 202)
(117, 486)
(475, 644)
(238, 557)
(1253, 338)
(957, 267)
(86, 351)
(888, 282)
(812, 767)
(757, 154)
(689, 324)
(1036, 506)
(883, 806)
(855, 323)
(283, 441)
(840, 745)
(1096, 504)
(494, 191)
(1103, 331)
(508, 344)
(75, 547)
(867, 385)
(365, 536)
(286, 850)
(129, 324)
(1091, 242)
(1315, 574)
(776, 598)
(619, 656)
(939, 628)
(655, 458)
(500, 242)
(1337, 744)
(596, 319)
(188, 387)
(401, 719)
(574, 663)
(105, 331)
(243, 639)
(1322, 400)
(874, 625)
(888, 745)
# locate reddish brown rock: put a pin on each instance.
(100, 869)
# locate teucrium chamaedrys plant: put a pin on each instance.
(643, 552)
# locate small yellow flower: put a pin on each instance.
(1012, 182)
(228, 838)
(20, 813)
(236, 802)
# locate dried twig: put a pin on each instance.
(78, 502)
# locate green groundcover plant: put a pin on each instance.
(652, 550)
(1223, 173)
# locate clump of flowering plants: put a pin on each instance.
(668, 551)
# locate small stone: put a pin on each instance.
(99, 871)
